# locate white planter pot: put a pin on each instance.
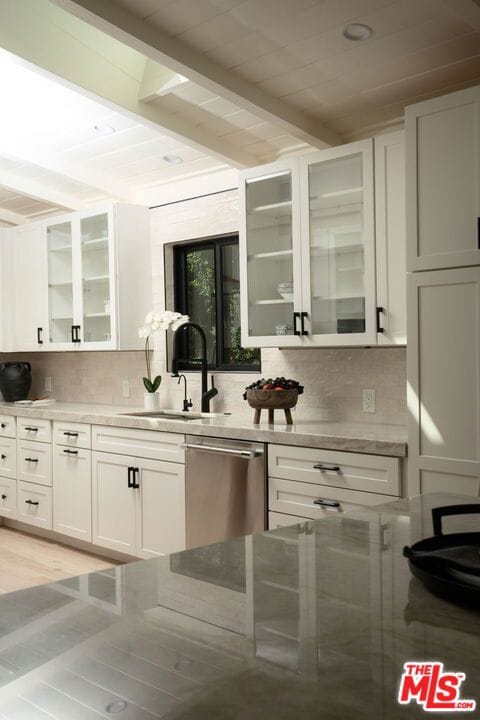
(151, 401)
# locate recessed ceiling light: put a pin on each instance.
(104, 129)
(357, 32)
(173, 159)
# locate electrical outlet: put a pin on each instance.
(48, 384)
(368, 401)
(125, 388)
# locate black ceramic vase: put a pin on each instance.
(15, 380)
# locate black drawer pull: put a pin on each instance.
(39, 335)
(4, 497)
(327, 468)
(4, 457)
(70, 434)
(3, 426)
(296, 316)
(71, 452)
(135, 484)
(34, 460)
(32, 502)
(326, 503)
(31, 429)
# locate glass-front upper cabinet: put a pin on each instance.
(97, 278)
(271, 256)
(338, 239)
(60, 269)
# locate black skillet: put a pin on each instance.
(449, 565)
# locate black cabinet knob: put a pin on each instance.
(4, 497)
(4, 457)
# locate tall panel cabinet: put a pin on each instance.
(307, 244)
(443, 367)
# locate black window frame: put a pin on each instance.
(180, 250)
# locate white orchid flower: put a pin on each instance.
(143, 332)
(149, 318)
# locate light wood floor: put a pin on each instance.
(26, 560)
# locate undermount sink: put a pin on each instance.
(173, 415)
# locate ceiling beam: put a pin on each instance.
(38, 191)
(108, 17)
(87, 60)
(157, 81)
(12, 218)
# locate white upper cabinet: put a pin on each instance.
(443, 181)
(308, 248)
(270, 255)
(80, 281)
(24, 288)
(338, 246)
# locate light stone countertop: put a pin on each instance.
(313, 622)
(370, 438)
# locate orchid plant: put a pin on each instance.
(155, 322)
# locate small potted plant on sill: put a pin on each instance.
(155, 322)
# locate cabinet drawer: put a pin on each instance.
(297, 498)
(34, 462)
(8, 497)
(278, 520)
(349, 471)
(8, 457)
(72, 434)
(34, 429)
(8, 426)
(34, 504)
(141, 443)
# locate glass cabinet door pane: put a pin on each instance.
(60, 282)
(269, 255)
(94, 243)
(337, 249)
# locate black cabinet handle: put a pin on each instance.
(32, 502)
(4, 497)
(331, 504)
(4, 457)
(39, 336)
(3, 426)
(296, 316)
(129, 477)
(380, 329)
(135, 484)
(71, 452)
(34, 460)
(327, 468)
(76, 329)
(31, 429)
(70, 434)
(303, 315)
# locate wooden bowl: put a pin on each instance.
(272, 399)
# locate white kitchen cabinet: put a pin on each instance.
(390, 239)
(138, 504)
(72, 492)
(443, 371)
(24, 280)
(443, 181)
(34, 504)
(99, 278)
(307, 244)
(8, 457)
(8, 498)
(34, 462)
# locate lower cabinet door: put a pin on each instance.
(8, 497)
(72, 492)
(34, 504)
(161, 508)
(113, 502)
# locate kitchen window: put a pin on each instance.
(207, 288)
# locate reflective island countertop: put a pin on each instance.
(309, 621)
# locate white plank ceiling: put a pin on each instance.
(290, 52)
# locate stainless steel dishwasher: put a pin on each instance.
(225, 483)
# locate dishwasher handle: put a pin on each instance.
(225, 451)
